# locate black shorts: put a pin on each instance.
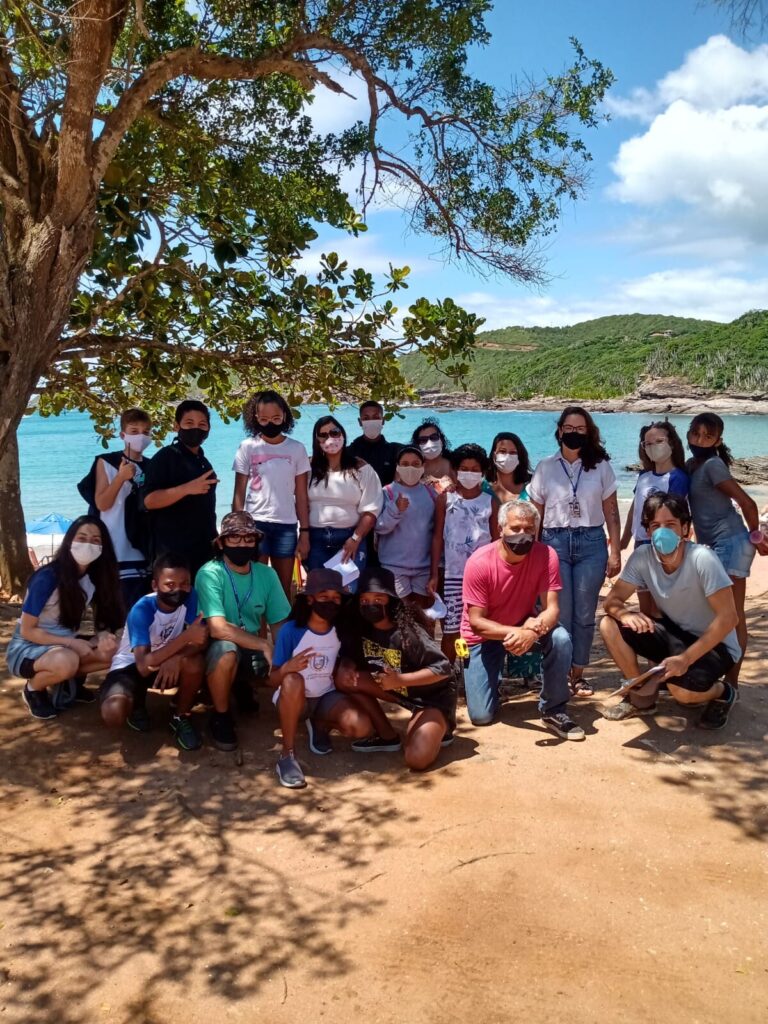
(668, 639)
(125, 682)
(441, 697)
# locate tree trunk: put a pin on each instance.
(15, 567)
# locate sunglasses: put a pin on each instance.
(333, 432)
(428, 437)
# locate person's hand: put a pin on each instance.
(197, 632)
(519, 640)
(539, 627)
(201, 484)
(298, 662)
(677, 665)
(637, 622)
(168, 674)
(349, 549)
(402, 503)
(614, 565)
(302, 548)
(625, 542)
(388, 679)
(432, 586)
(127, 471)
(347, 677)
(82, 648)
(106, 646)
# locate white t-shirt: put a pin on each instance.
(148, 626)
(318, 675)
(340, 499)
(272, 470)
(467, 528)
(552, 486)
(114, 520)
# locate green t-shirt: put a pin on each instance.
(259, 593)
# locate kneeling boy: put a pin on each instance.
(161, 647)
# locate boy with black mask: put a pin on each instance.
(180, 489)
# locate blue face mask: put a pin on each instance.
(665, 541)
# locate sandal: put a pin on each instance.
(580, 687)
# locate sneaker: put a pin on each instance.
(624, 709)
(289, 772)
(447, 740)
(139, 720)
(82, 694)
(319, 740)
(715, 714)
(375, 745)
(185, 733)
(564, 726)
(39, 703)
(222, 730)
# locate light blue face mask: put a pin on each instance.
(665, 541)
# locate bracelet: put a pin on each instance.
(756, 537)
(355, 538)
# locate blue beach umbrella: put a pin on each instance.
(50, 524)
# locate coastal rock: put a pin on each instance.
(750, 471)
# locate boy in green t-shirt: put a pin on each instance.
(236, 594)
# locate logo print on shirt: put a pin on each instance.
(258, 460)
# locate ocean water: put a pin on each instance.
(57, 452)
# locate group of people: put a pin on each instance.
(509, 558)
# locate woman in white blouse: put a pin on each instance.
(345, 497)
(575, 493)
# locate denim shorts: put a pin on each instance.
(279, 540)
(22, 654)
(736, 553)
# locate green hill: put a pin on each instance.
(608, 357)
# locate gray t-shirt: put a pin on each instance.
(682, 595)
(714, 516)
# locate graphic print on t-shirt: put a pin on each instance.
(378, 657)
(257, 460)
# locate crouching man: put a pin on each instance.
(694, 638)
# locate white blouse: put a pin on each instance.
(553, 486)
(339, 500)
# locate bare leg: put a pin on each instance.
(619, 650)
(448, 646)
(290, 707)
(423, 738)
(55, 666)
(221, 679)
(349, 719)
(739, 591)
(190, 680)
(689, 697)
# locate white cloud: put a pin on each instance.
(368, 250)
(332, 112)
(703, 293)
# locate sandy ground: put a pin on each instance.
(622, 879)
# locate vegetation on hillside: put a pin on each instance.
(608, 358)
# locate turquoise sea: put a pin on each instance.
(56, 452)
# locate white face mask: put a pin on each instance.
(372, 428)
(332, 445)
(410, 475)
(137, 442)
(658, 452)
(84, 553)
(506, 463)
(469, 480)
(431, 449)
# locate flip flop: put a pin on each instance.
(581, 688)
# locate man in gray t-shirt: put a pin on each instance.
(693, 640)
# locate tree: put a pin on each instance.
(160, 179)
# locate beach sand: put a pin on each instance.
(620, 879)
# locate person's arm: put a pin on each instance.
(438, 542)
(164, 497)
(539, 506)
(106, 492)
(388, 679)
(494, 521)
(220, 629)
(392, 512)
(748, 508)
(549, 616)
(725, 620)
(35, 634)
(432, 666)
(192, 639)
(514, 638)
(613, 523)
(615, 605)
(302, 514)
(626, 536)
(238, 496)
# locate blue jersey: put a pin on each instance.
(149, 626)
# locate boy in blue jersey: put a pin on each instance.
(162, 648)
(303, 666)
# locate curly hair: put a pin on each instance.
(251, 411)
(593, 451)
(715, 425)
(430, 421)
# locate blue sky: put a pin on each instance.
(675, 218)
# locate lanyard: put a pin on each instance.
(234, 591)
(574, 486)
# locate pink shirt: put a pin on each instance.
(507, 592)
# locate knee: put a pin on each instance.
(357, 725)
(609, 628)
(684, 696)
(561, 641)
(193, 664)
(418, 756)
(63, 663)
(481, 718)
(115, 710)
(292, 685)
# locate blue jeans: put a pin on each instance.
(325, 541)
(583, 554)
(486, 660)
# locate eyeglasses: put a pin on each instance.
(428, 437)
(333, 432)
(240, 538)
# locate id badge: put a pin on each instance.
(575, 509)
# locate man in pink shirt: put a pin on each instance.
(502, 582)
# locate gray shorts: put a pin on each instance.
(250, 664)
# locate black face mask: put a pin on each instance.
(699, 451)
(327, 610)
(373, 612)
(174, 598)
(518, 543)
(271, 429)
(192, 437)
(575, 442)
(241, 556)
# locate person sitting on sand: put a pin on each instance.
(46, 648)
(161, 647)
(694, 638)
(502, 583)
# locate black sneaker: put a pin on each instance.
(447, 740)
(564, 726)
(39, 703)
(222, 730)
(185, 733)
(715, 714)
(319, 740)
(139, 720)
(82, 694)
(375, 745)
